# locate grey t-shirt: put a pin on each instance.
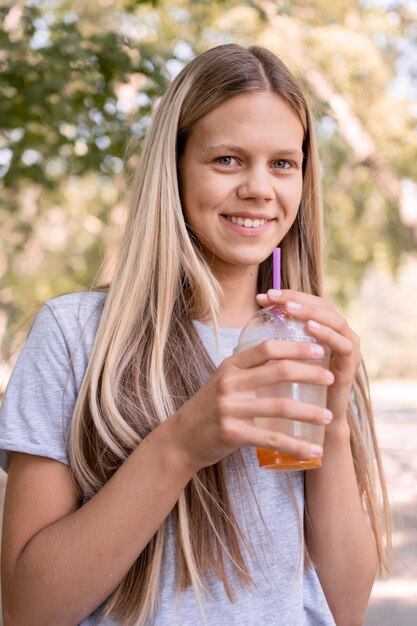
(34, 419)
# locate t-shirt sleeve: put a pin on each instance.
(40, 396)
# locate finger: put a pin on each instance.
(282, 370)
(281, 408)
(316, 317)
(278, 296)
(274, 440)
(338, 343)
(273, 349)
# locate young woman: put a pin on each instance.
(134, 494)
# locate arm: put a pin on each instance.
(338, 538)
(60, 562)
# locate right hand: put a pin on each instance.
(219, 418)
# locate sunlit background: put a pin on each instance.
(78, 82)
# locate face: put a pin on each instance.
(241, 179)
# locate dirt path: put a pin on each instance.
(394, 601)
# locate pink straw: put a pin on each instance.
(276, 268)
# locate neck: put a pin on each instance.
(240, 288)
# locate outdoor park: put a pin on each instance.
(78, 84)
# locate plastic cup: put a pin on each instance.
(274, 323)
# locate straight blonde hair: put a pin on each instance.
(148, 359)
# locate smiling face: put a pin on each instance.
(241, 179)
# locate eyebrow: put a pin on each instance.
(234, 148)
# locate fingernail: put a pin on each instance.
(329, 376)
(313, 324)
(328, 416)
(261, 297)
(294, 306)
(317, 350)
(274, 293)
(316, 451)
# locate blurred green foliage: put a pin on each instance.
(78, 82)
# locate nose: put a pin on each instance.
(256, 185)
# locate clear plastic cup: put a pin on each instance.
(274, 323)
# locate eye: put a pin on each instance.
(226, 160)
(282, 164)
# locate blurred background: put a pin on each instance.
(78, 83)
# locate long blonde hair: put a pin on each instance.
(148, 359)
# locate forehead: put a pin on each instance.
(254, 116)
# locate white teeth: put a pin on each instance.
(248, 223)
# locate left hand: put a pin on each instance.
(329, 327)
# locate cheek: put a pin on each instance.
(205, 196)
(209, 188)
(293, 194)
(195, 204)
(189, 199)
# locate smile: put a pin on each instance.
(246, 222)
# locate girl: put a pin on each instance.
(134, 495)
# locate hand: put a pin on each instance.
(219, 418)
(329, 327)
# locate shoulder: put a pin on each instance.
(78, 307)
(72, 315)
(65, 328)
(43, 388)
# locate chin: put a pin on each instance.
(255, 258)
(251, 261)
